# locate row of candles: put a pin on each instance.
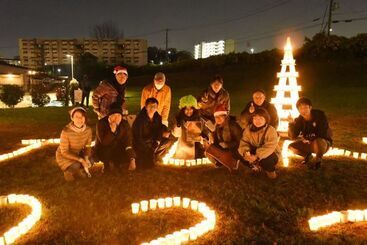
(26, 224)
(315, 223)
(168, 159)
(20, 151)
(333, 151)
(184, 235)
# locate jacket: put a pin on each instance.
(253, 140)
(163, 96)
(122, 138)
(209, 100)
(317, 127)
(103, 96)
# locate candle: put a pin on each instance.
(356, 155)
(161, 202)
(182, 162)
(193, 234)
(185, 202)
(152, 204)
(194, 204)
(144, 205)
(188, 164)
(168, 202)
(135, 208)
(177, 201)
(364, 156)
(185, 234)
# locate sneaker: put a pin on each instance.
(68, 176)
(307, 159)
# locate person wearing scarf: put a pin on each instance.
(109, 92)
(73, 153)
(259, 144)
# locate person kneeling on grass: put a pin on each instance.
(259, 144)
(151, 138)
(114, 140)
(315, 134)
(74, 150)
(225, 139)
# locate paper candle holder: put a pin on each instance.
(335, 217)
(11, 235)
(184, 235)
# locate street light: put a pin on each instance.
(58, 70)
(252, 50)
(72, 65)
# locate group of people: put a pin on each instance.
(203, 127)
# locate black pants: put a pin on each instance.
(115, 156)
(268, 164)
(148, 154)
(318, 146)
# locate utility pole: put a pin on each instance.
(331, 6)
(167, 39)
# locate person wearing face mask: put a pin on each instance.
(151, 138)
(259, 144)
(259, 101)
(74, 150)
(114, 140)
(162, 92)
(312, 133)
(213, 96)
(109, 92)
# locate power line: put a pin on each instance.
(261, 10)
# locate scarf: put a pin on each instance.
(76, 129)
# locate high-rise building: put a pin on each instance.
(36, 53)
(207, 49)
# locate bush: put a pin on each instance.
(39, 96)
(11, 95)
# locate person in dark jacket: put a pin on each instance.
(109, 92)
(259, 101)
(151, 138)
(86, 88)
(212, 97)
(314, 133)
(188, 131)
(227, 134)
(114, 140)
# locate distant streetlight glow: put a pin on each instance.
(252, 50)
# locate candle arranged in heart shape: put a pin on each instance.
(26, 224)
(184, 235)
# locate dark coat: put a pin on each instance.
(121, 139)
(228, 135)
(245, 117)
(209, 100)
(147, 134)
(318, 127)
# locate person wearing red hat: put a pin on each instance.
(226, 137)
(110, 91)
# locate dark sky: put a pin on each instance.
(252, 22)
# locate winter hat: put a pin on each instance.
(261, 112)
(220, 110)
(120, 69)
(188, 101)
(75, 109)
(115, 107)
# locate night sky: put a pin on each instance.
(261, 24)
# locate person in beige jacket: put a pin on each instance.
(259, 144)
(73, 153)
(159, 90)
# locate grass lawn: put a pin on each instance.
(250, 209)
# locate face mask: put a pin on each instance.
(158, 86)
